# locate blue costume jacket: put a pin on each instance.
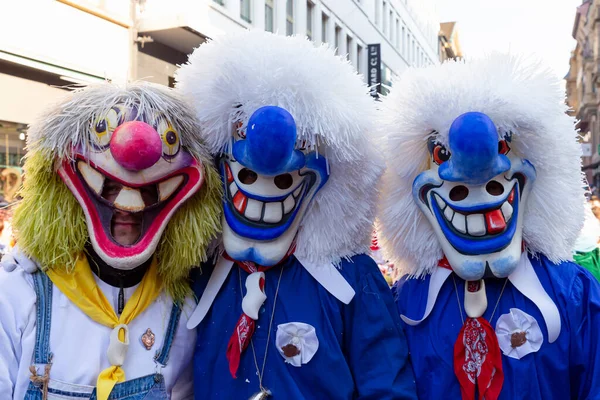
(362, 350)
(569, 368)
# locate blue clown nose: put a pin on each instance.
(474, 159)
(269, 148)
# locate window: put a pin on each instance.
(289, 11)
(221, 2)
(338, 34)
(377, 12)
(349, 49)
(385, 20)
(403, 40)
(359, 51)
(245, 9)
(391, 32)
(324, 27)
(269, 26)
(309, 19)
(397, 37)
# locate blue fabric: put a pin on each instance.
(149, 387)
(362, 350)
(565, 369)
(162, 356)
(43, 291)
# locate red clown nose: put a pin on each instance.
(135, 145)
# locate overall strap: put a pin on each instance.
(43, 290)
(162, 356)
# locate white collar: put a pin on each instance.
(523, 278)
(327, 275)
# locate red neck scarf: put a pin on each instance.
(244, 329)
(477, 358)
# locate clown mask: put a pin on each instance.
(269, 180)
(130, 181)
(474, 195)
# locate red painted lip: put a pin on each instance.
(102, 236)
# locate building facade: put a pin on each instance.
(406, 29)
(582, 85)
(47, 46)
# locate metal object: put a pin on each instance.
(148, 339)
(263, 394)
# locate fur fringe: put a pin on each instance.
(50, 224)
(228, 78)
(520, 96)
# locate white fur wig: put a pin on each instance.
(227, 79)
(519, 96)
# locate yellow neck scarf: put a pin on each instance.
(81, 288)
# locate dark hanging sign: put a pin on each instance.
(374, 77)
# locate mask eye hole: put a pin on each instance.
(240, 132)
(503, 147)
(440, 154)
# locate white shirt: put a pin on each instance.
(79, 344)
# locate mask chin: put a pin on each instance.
(262, 214)
(479, 227)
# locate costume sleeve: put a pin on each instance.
(375, 344)
(584, 326)
(17, 331)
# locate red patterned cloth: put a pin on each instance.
(478, 361)
(244, 329)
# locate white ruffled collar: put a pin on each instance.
(327, 275)
(523, 278)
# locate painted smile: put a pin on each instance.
(152, 203)
(488, 222)
(481, 229)
(272, 216)
(267, 212)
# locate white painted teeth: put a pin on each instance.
(253, 209)
(440, 202)
(459, 222)
(270, 212)
(472, 224)
(273, 212)
(288, 204)
(93, 178)
(129, 200)
(507, 211)
(476, 224)
(166, 188)
(448, 213)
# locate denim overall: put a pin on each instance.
(150, 387)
